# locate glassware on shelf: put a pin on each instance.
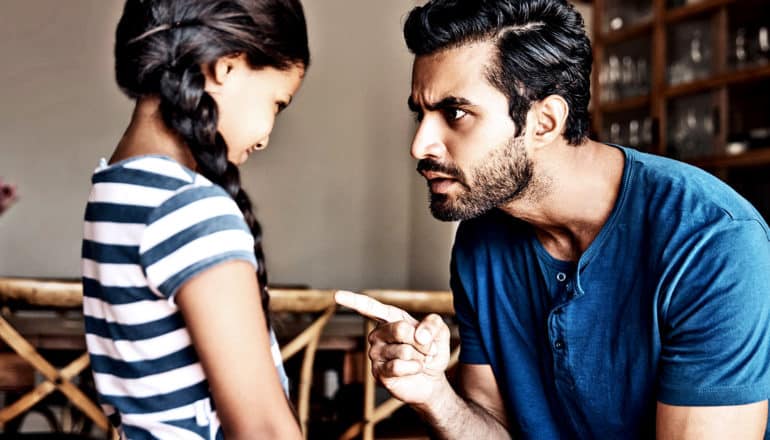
(630, 128)
(690, 54)
(642, 76)
(620, 15)
(740, 52)
(692, 126)
(750, 46)
(634, 138)
(623, 77)
(615, 134)
(763, 45)
(647, 134)
(627, 75)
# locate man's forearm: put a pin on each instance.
(453, 417)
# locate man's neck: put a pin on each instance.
(572, 196)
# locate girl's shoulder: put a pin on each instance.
(147, 170)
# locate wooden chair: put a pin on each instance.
(414, 302)
(69, 295)
(55, 296)
(304, 301)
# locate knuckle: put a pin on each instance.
(402, 330)
(435, 320)
(393, 368)
(403, 352)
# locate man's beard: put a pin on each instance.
(499, 178)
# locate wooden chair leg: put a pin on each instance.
(56, 379)
(306, 375)
(385, 409)
(309, 339)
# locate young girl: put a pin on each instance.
(173, 269)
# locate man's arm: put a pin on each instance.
(478, 412)
(410, 358)
(711, 422)
(714, 361)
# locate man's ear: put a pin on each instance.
(550, 115)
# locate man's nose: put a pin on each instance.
(428, 142)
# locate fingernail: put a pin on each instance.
(422, 336)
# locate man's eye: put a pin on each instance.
(454, 114)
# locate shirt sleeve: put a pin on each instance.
(716, 319)
(471, 347)
(195, 229)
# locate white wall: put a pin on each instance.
(59, 112)
(334, 190)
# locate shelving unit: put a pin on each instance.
(717, 94)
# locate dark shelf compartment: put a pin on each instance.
(751, 158)
(685, 12)
(625, 104)
(635, 30)
(714, 82)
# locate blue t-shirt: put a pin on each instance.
(670, 303)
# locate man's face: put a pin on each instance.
(465, 142)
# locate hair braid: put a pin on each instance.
(191, 111)
(160, 46)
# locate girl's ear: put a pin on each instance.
(219, 72)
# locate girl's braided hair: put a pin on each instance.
(161, 47)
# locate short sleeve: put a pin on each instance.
(716, 319)
(196, 228)
(471, 348)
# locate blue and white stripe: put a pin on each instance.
(150, 225)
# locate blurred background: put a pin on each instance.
(336, 191)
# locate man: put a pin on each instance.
(600, 292)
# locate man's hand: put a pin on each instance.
(408, 357)
(8, 195)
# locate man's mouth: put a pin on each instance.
(440, 185)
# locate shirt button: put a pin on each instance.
(561, 276)
(558, 345)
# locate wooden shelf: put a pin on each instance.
(625, 104)
(635, 30)
(688, 11)
(725, 79)
(751, 158)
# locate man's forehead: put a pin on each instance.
(450, 72)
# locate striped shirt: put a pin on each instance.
(150, 225)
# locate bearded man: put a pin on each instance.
(600, 292)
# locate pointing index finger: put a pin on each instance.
(371, 308)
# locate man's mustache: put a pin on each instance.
(436, 166)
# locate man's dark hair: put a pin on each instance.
(542, 50)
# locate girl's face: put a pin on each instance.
(249, 100)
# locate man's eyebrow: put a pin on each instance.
(448, 102)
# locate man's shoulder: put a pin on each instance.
(674, 190)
